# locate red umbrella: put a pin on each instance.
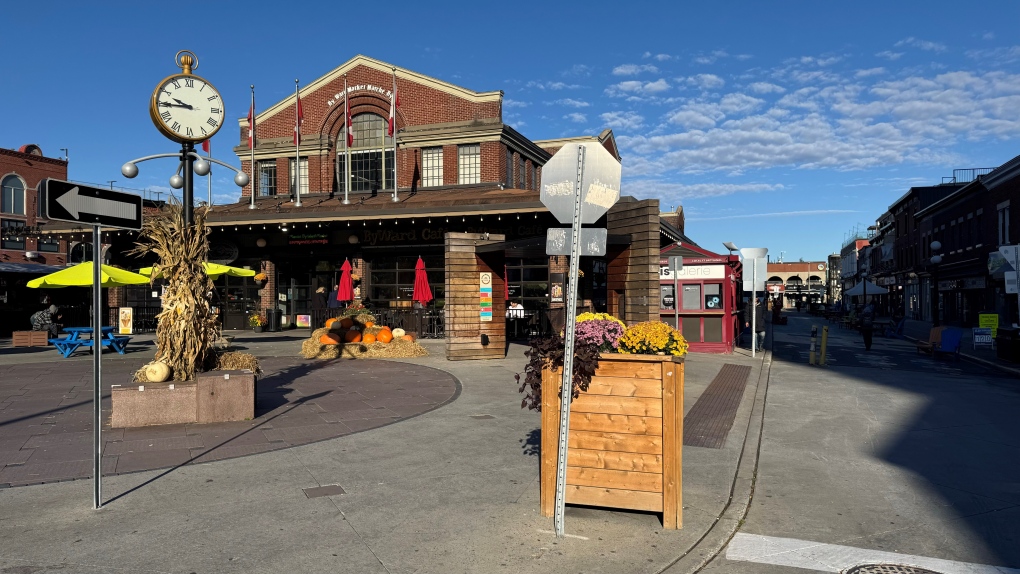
(422, 291)
(346, 290)
(506, 285)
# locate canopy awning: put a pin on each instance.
(872, 289)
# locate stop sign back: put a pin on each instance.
(600, 182)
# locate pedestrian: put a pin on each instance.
(867, 325)
(331, 300)
(319, 299)
(758, 339)
(46, 320)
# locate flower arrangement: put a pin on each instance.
(260, 277)
(355, 277)
(653, 338)
(257, 320)
(355, 309)
(600, 329)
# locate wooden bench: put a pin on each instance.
(30, 339)
(934, 340)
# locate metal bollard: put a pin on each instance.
(825, 342)
(814, 335)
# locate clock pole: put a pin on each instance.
(187, 152)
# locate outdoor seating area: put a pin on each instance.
(74, 341)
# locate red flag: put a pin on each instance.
(394, 105)
(350, 125)
(251, 122)
(206, 146)
(297, 124)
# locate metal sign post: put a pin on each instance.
(676, 263)
(756, 255)
(97, 367)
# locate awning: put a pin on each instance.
(37, 268)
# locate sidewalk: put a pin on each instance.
(453, 489)
(919, 331)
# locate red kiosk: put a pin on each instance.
(708, 288)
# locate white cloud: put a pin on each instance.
(766, 88)
(580, 70)
(634, 69)
(921, 44)
(802, 213)
(637, 88)
(889, 55)
(704, 81)
(570, 102)
(869, 72)
(576, 118)
(551, 85)
(508, 103)
(677, 192)
(623, 120)
(988, 36)
(711, 57)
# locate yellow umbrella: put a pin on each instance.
(213, 270)
(81, 276)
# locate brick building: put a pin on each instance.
(803, 282)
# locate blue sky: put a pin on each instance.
(775, 124)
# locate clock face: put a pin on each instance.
(185, 108)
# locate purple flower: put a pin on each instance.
(605, 334)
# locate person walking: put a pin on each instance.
(867, 325)
(758, 339)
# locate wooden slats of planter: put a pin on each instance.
(624, 448)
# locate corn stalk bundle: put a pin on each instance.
(186, 325)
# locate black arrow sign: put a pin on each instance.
(77, 203)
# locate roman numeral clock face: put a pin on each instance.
(187, 108)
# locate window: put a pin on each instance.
(40, 199)
(49, 245)
(521, 184)
(1004, 223)
(691, 297)
(431, 166)
(392, 280)
(12, 195)
(11, 241)
(534, 178)
(304, 176)
(469, 164)
(267, 177)
(509, 168)
(528, 281)
(367, 155)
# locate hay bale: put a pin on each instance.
(235, 361)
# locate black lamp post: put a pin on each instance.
(935, 260)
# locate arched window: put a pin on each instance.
(370, 143)
(12, 195)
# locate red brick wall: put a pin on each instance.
(32, 169)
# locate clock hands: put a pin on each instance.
(182, 104)
(179, 104)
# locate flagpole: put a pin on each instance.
(209, 176)
(395, 162)
(347, 141)
(251, 146)
(297, 144)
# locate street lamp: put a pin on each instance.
(935, 260)
(730, 246)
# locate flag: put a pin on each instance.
(206, 146)
(394, 105)
(297, 122)
(251, 122)
(347, 113)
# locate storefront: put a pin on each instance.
(702, 295)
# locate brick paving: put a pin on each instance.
(710, 419)
(46, 415)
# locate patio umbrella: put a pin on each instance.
(858, 290)
(213, 270)
(422, 291)
(506, 285)
(81, 276)
(346, 290)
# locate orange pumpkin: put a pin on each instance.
(330, 321)
(352, 337)
(328, 339)
(346, 323)
(409, 338)
(368, 338)
(384, 336)
(369, 324)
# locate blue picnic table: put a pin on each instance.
(107, 338)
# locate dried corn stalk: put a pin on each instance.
(186, 325)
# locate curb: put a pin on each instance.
(719, 534)
(979, 361)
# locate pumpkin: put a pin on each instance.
(352, 337)
(398, 333)
(368, 338)
(384, 336)
(157, 372)
(330, 321)
(346, 323)
(409, 338)
(329, 339)
(369, 324)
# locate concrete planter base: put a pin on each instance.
(216, 396)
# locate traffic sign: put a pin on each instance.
(600, 182)
(1012, 282)
(593, 241)
(1011, 253)
(77, 203)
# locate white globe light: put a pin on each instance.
(936, 259)
(935, 246)
(176, 181)
(260, 242)
(202, 167)
(241, 179)
(129, 170)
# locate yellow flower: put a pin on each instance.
(653, 337)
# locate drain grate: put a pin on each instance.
(889, 569)
(482, 417)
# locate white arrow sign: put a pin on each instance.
(75, 204)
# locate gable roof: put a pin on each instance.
(606, 138)
(402, 73)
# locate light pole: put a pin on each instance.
(935, 260)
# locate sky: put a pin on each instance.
(781, 124)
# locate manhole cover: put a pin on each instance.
(889, 569)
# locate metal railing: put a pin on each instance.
(425, 323)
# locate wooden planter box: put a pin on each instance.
(624, 447)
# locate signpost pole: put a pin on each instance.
(567, 389)
(754, 308)
(676, 263)
(97, 366)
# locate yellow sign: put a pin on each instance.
(126, 320)
(988, 321)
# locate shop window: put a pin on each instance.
(528, 281)
(667, 297)
(40, 199)
(267, 177)
(371, 146)
(713, 329)
(12, 195)
(469, 164)
(392, 280)
(509, 167)
(521, 184)
(11, 241)
(303, 176)
(432, 167)
(691, 297)
(49, 245)
(690, 328)
(534, 178)
(1003, 210)
(713, 296)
